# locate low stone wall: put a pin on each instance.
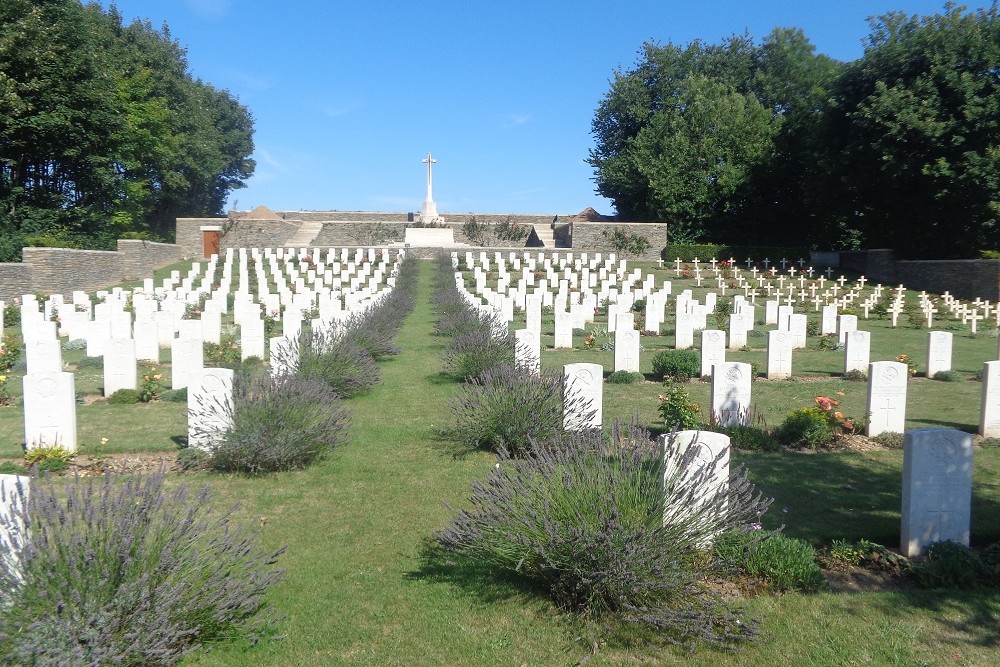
(15, 280)
(962, 278)
(188, 234)
(248, 233)
(62, 270)
(589, 236)
(360, 233)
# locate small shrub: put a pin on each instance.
(150, 385)
(120, 571)
(38, 455)
(75, 344)
(911, 365)
(950, 565)
(175, 395)
(224, 354)
(10, 351)
(625, 377)
(677, 409)
(889, 440)
(869, 555)
(751, 438)
(639, 306)
(90, 362)
(949, 376)
(192, 458)
(846, 552)
(786, 563)
(815, 426)
(471, 355)
(507, 408)
(279, 424)
(583, 518)
(124, 397)
(676, 365)
(856, 376)
(11, 315)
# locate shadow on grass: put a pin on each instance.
(486, 584)
(442, 378)
(965, 616)
(829, 495)
(938, 423)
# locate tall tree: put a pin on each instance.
(103, 130)
(917, 135)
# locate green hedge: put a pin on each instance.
(706, 251)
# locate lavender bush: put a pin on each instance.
(120, 571)
(342, 365)
(510, 408)
(279, 424)
(468, 356)
(584, 517)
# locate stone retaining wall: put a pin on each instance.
(62, 270)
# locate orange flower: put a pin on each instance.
(848, 425)
(838, 415)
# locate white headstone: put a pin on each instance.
(50, 410)
(43, 355)
(14, 491)
(886, 397)
(583, 384)
(187, 360)
(846, 323)
(713, 349)
(937, 488)
(731, 386)
(696, 468)
(779, 355)
(528, 350)
(119, 365)
(684, 329)
(627, 350)
(798, 325)
(989, 415)
(857, 351)
(252, 338)
(210, 407)
(737, 331)
(938, 352)
(563, 329)
(829, 322)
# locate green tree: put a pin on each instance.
(103, 130)
(916, 135)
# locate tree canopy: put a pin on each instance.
(103, 131)
(758, 143)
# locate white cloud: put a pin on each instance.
(209, 9)
(516, 120)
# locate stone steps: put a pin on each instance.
(545, 235)
(308, 231)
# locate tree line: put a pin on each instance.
(771, 143)
(103, 131)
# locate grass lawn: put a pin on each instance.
(359, 590)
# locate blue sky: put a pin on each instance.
(348, 97)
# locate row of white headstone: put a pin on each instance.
(49, 393)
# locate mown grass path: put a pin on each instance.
(356, 590)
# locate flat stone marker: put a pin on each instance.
(119, 365)
(886, 397)
(937, 488)
(50, 410)
(713, 350)
(989, 415)
(696, 469)
(210, 407)
(938, 352)
(528, 350)
(857, 351)
(731, 393)
(779, 354)
(627, 350)
(586, 383)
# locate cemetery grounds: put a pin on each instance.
(360, 589)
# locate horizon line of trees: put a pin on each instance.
(769, 143)
(103, 131)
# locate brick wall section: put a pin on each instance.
(963, 278)
(15, 280)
